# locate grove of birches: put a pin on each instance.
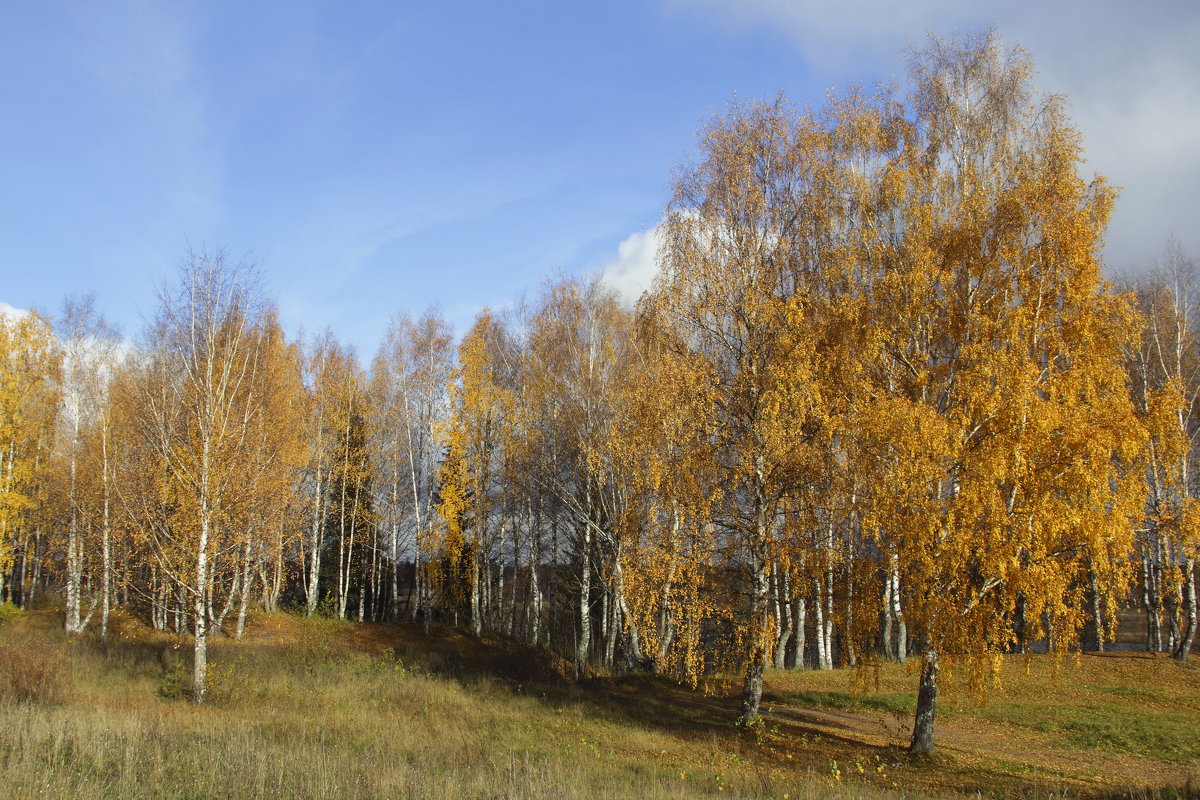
(880, 402)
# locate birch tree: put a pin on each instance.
(89, 347)
(744, 231)
(410, 377)
(1012, 413)
(30, 367)
(476, 436)
(1165, 375)
(579, 354)
(660, 444)
(204, 389)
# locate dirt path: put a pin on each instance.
(994, 747)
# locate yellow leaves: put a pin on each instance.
(480, 431)
(1165, 406)
(30, 365)
(996, 432)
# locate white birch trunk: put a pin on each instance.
(898, 614)
(314, 565)
(583, 644)
(105, 546)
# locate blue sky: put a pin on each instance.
(375, 157)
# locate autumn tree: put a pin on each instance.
(1011, 436)
(476, 435)
(745, 236)
(347, 470)
(389, 453)
(914, 361)
(528, 508)
(320, 383)
(30, 367)
(268, 518)
(409, 380)
(90, 346)
(579, 353)
(660, 445)
(1164, 371)
(203, 386)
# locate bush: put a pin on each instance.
(8, 612)
(229, 683)
(34, 672)
(174, 683)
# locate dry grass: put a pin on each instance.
(318, 708)
(34, 671)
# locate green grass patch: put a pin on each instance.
(1150, 732)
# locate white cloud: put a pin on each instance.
(110, 351)
(11, 312)
(1128, 69)
(635, 266)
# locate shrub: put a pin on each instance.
(8, 611)
(174, 682)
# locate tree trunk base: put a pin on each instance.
(922, 738)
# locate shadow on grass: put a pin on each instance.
(644, 700)
(288, 643)
(652, 701)
(887, 703)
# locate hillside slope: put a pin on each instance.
(321, 708)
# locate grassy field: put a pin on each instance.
(318, 708)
